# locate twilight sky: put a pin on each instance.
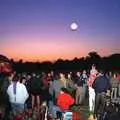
(38, 30)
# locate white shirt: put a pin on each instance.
(21, 93)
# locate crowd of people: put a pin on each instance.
(25, 91)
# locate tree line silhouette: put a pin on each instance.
(109, 63)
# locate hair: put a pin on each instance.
(64, 90)
(102, 71)
(15, 78)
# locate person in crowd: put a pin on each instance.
(5, 70)
(46, 79)
(52, 74)
(84, 78)
(80, 91)
(54, 90)
(56, 85)
(24, 80)
(109, 74)
(70, 84)
(64, 100)
(118, 77)
(7, 81)
(101, 86)
(34, 86)
(53, 109)
(92, 77)
(114, 82)
(18, 95)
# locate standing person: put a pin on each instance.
(118, 77)
(114, 82)
(5, 70)
(84, 78)
(92, 77)
(35, 90)
(54, 90)
(70, 85)
(27, 84)
(101, 86)
(7, 81)
(56, 85)
(80, 91)
(18, 95)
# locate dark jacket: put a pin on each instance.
(79, 81)
(34, 86)
(101, 84)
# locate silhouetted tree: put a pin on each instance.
(93, 58)
(111, 62)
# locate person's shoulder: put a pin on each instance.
(54, 82)
(21, 84)
(10, 87)
(67, 95)
(105, 78)
(98, 77)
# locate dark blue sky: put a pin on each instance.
(48, 22)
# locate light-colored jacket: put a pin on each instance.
(21, 93)
(114, 82)
(55, 87)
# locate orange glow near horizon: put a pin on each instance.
(40, 31)
(42, 51)
(50, 49)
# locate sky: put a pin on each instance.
(39, 30)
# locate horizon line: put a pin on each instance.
(53, 61)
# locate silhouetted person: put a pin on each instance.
(101, 86)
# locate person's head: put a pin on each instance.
(63, 90)
(78, 74)
(33, 74)
(69, 76)
(52, 73)
(110, 73)
(93, 66)
(49, 74)
(101, 72)
(29, 77)
(84, 72)
(15, 78)
(11, 76)
(62, 75)
(115, 75)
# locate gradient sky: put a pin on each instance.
(38, 30)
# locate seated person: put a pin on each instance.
(64, 100)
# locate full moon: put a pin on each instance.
(74, 26)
